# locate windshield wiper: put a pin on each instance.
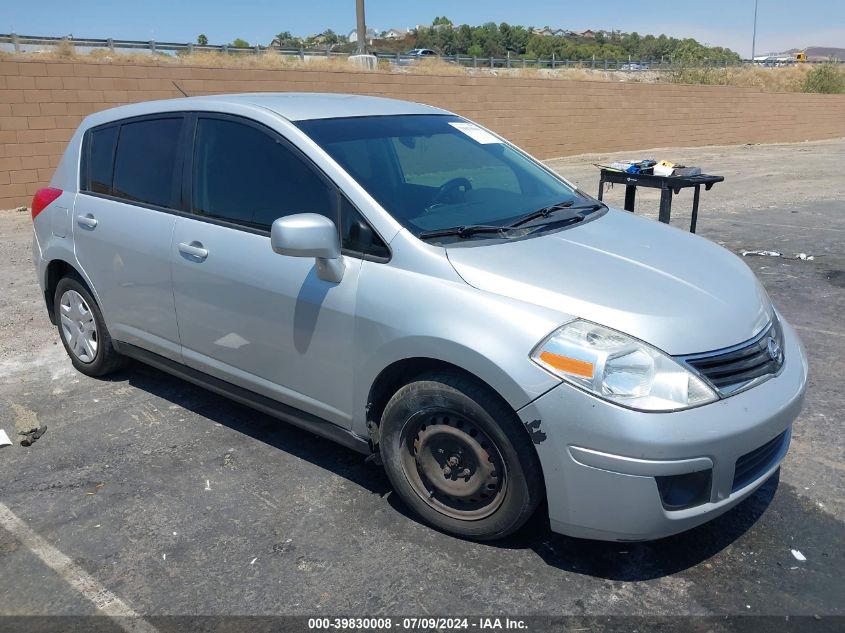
(547, 211)
(468, 230)
(462, 232)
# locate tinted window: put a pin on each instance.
(356, 233)
(101, 159)
(245, 175)
(145, 161)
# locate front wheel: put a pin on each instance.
(457, 455)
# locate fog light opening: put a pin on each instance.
(679, 492)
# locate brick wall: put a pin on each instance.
(42, 102)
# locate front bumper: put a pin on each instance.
(601, 461)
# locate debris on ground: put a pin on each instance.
(4, 439)
(761, 253)
(798, 555)
(802, 256)
(29, 437)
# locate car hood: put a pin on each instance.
(677, 291)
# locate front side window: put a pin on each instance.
(145, 161)
(436, 172)
(245, 175)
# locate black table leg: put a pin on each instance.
(665, 205)
(630, 197)
(694, 219)
(601, 188)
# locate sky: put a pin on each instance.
(781, 24)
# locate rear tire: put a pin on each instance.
(83, 330)
(458, 456)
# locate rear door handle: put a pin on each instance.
(194, 249)
(87, 220)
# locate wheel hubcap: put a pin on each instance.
(452, 465)
(79, 328)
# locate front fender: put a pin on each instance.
(425, 317)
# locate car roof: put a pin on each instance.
(294, 106)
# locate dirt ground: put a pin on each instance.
(179, 502)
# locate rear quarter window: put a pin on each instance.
(100, 161)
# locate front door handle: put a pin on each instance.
(87, 220)
(194, 249)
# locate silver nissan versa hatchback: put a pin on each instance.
(403, 281)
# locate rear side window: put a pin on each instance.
(145, 161)
(101, 159)
(245, 175)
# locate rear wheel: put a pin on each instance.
(457, 455)
(83, 330)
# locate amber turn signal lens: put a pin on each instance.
(568, 365)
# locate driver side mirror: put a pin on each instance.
(310, 235)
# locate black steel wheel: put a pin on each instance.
(459, 456)
(453, 465)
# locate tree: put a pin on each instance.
(240, 43)
(475, 50)
(496, 39)
(202, 39)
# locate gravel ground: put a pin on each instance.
(181, 502)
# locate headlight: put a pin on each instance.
(619, 368)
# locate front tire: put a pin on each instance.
(83, 330)
(458, 456)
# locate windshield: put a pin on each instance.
(435, 172)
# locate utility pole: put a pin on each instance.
(362, 27)
(753, 37)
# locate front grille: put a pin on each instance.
(751, 465)
(737, 367)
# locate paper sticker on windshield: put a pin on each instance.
(475, 133)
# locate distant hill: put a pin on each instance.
(820, 53)
(497, 40)
(825, 52)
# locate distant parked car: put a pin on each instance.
(634, 67)
(415, 55)
(421, 52)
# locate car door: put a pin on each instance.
(123, 226)
(262, 321)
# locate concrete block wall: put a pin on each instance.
(42, 102)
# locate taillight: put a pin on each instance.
(42, 198)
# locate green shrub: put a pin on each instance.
(682, 74)
(826, 78)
